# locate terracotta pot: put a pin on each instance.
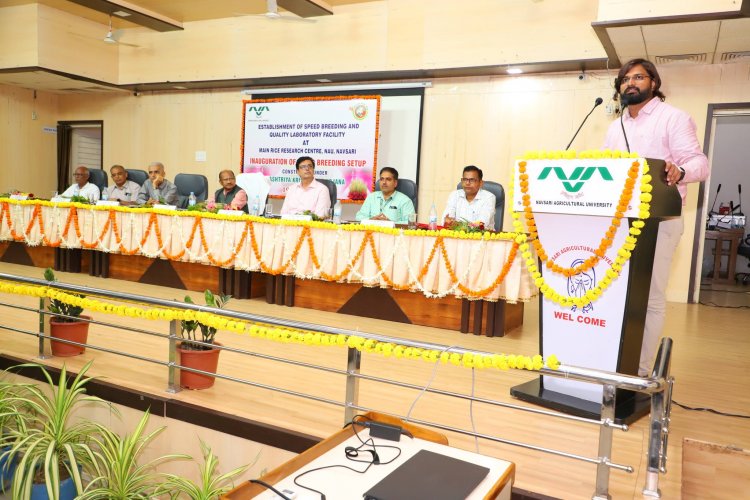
(77, 331)
(207, 361)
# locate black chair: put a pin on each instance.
(497, 189)
(190, 183)
(744, 251)
(98, 177)
(136, 175)
(407, 187)
(332, 189)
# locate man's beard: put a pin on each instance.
(637, 98)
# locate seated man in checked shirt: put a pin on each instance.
(125, 191)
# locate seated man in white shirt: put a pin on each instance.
(82, 186)
(471, 203)
(125, 191)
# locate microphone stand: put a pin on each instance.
(622, 125)
(597, 102)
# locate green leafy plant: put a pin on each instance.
(121, 476)
(467, 227)
(208, 333)
(212, 484)
(77, 198)
(206, 206)
(63, 311)
(48, 446)
(13, 416)
(312, 214)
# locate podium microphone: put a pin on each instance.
(715, 198)
(622, 125)
(739, 207)
(597, 102)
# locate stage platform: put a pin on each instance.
(709, 365)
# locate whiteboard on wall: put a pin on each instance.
(400, 129)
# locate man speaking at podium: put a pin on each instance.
(654, 129)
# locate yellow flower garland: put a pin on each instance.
(153, 230)
(623, 254)
(286, 335)
(275, 222)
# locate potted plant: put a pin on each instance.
(198, 351)
(212, 485)
(66, 323)
(12, 417)
(121, 476)
(51, 449)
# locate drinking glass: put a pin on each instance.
(412, 221)
(269, 209)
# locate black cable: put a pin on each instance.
(367, 420)
(351, 454)
(722, 290)
(710, 410)
(714, 304)
(268, 486)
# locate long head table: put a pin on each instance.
(437, 264)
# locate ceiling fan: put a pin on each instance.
(272, 13)
(114, 36)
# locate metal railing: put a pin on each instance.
(658, 386)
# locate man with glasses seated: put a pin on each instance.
(230, 193)
(82, 186)
(387, 204)
(471, 203)
(307, 195)
(125, 191)
(157, 189)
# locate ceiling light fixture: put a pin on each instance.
(121, 13)
(514, 71)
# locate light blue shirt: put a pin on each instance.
(397, 208)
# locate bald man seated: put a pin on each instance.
(81, 186)
(125, 191)
(230, 193)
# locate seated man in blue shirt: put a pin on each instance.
(387, 204)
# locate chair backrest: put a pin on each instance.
(136, 175)
(497, 189)
(255, 184)
(187, 183)
(407, 187)
(98, 177)
(332, 189)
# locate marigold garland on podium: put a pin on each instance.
(593, 219)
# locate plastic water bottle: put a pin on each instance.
(433, 218)
(337, 212)
(256, 205)
(191, 199)
(105, 196)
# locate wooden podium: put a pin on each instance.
(573, 201)
(497, 485)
